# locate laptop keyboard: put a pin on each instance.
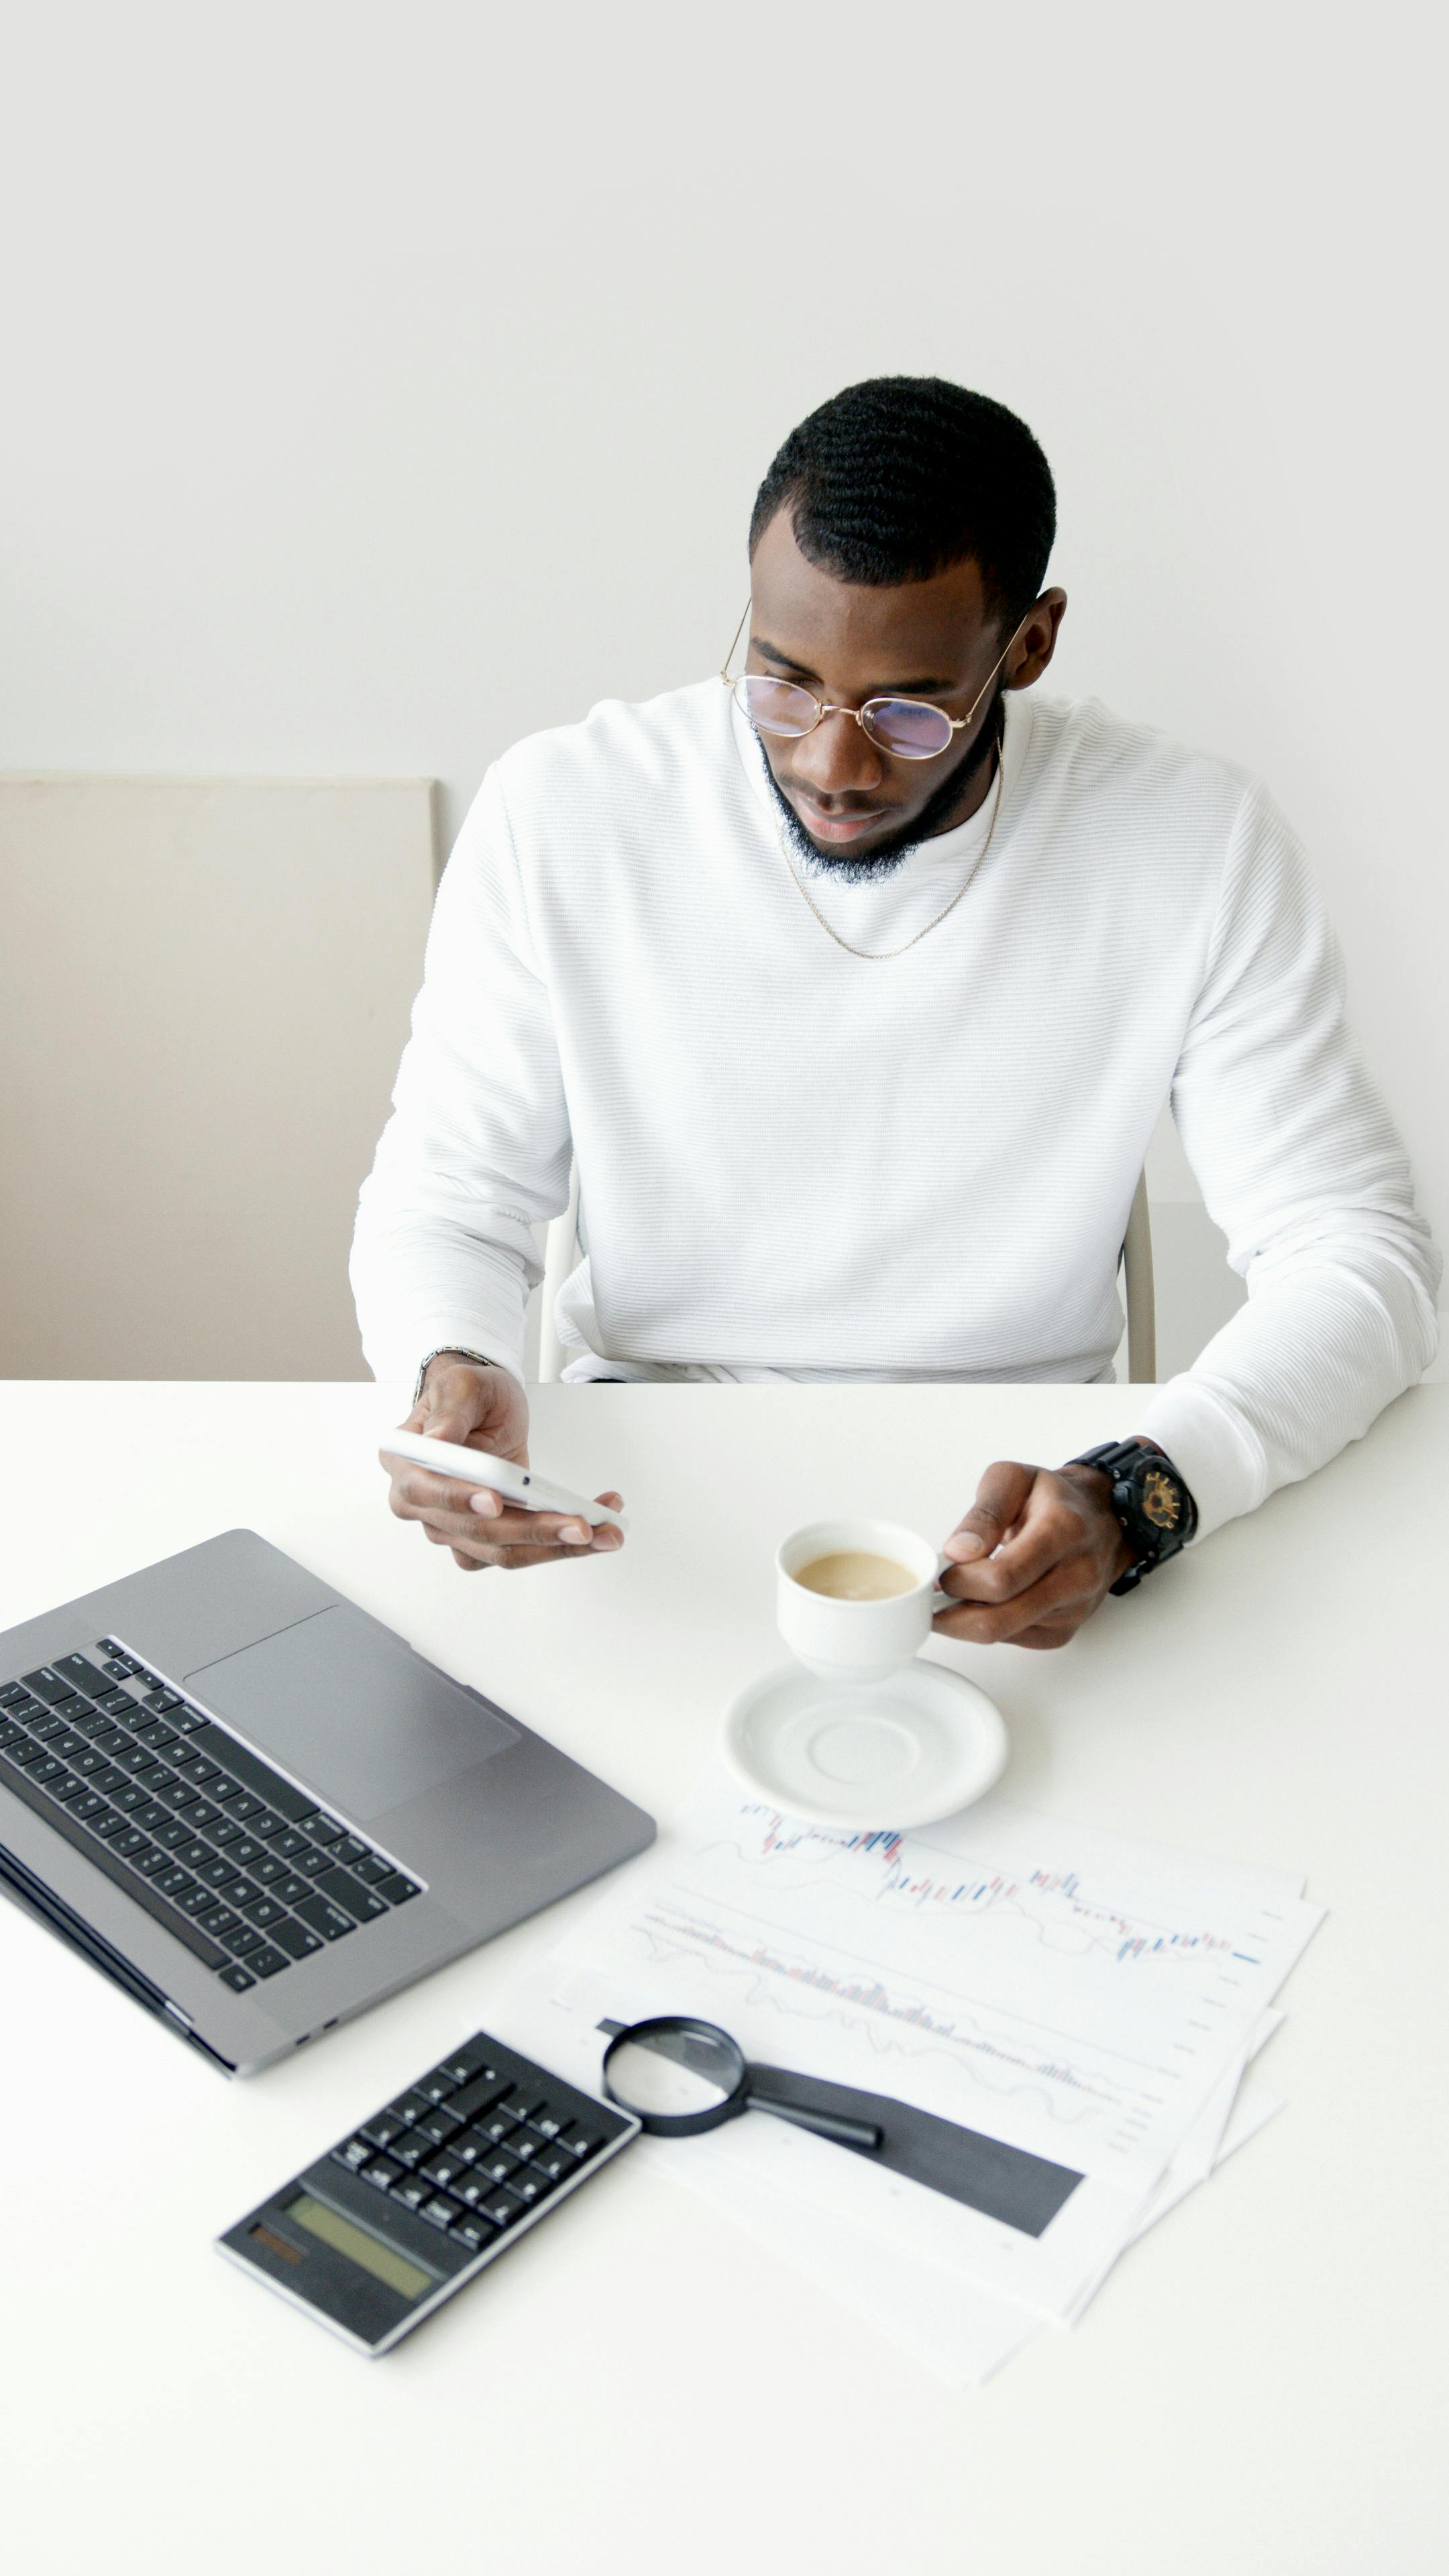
(243, 1867)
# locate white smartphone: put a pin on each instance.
(516, 1484)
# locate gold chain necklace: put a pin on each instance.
(878, 956)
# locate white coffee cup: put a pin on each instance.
(856, 1641)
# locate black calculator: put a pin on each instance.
(413, 2204)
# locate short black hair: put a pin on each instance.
(898, 477)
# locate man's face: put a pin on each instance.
(849, 641)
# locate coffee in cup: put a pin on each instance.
(855, 1574)
(856, 1598)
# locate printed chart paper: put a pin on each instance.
(1054, 1987)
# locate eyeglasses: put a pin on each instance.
(907, 728)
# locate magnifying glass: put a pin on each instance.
(681, 2077)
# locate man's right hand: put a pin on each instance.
(483, 1408)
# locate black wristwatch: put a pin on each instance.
(1152, 1506)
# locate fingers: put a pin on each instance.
(1001, 1498)
(482, 1528)
(1047, 1613)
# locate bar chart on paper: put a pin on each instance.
(1056, 1988)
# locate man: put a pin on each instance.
(856, 990)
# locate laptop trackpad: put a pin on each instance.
(352, 1711)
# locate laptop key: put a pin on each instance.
(343, 1889)
(327, 1919)
(398, 1889)
(265, 1962)
(52, 1687)
(294, 1938)
(288, 1843)
(46, 1769)
(237, 1978)
(243, 1941)
(265, 1912)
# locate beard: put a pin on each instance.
(874, 866)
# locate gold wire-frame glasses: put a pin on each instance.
(906, 728)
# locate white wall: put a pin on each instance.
(385, 382)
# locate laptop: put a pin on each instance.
(259, 1811)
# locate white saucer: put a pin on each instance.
(902, 1752)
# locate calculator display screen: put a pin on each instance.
(380, 2260)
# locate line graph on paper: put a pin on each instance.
(988, 1975)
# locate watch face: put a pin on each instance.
(1161, 1499)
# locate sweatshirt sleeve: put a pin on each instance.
(1301, 1166)
(476, 1152)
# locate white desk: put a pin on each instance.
(1260, 2385)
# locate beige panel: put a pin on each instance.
(206, 987)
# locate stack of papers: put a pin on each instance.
(1065, 1992)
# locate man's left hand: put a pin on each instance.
(1033, 1557)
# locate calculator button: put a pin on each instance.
(524, 2146)
(382, 2130)
(407, 2108)
(552, 2164)
(546, 2124)
(437, 2086)
(470, 2147)
(578, 2143)
(471, 2231)
(528, 2188)
(499, 2167)
(442, 2170)
(410, 2147)
(354, 2152)
(439, 2125)
(501, 2211)
(439, 2212)
(411, 2192)
(473, 2189)
(382, 2173)
(502, 2125)
(237, 1979)
(484, 2091)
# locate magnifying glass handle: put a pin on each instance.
(825, 2124)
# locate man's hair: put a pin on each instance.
(899, 477)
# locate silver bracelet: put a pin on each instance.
(449, 1350)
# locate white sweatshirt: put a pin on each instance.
(800, 1163)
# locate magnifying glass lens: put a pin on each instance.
(664, 2071)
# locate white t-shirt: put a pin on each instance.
(798, 1162)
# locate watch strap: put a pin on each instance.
(1128, 1466)
(449, 1351)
